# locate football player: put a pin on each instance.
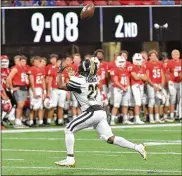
(37, 90)
(84, 88)
(121, 90)
(138, 78)
(17, 83)
(58, 96)
(174, 76)
(156, 81)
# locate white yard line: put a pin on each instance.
(92, 151)
(97, 169)
(113, 127)
(88, 139)
(12, 159)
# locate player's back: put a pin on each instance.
(85, 90)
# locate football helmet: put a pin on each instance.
(6, 105)
(4, 61)
(120, 62)
(89, 67)
(137, 59)
(48, 103)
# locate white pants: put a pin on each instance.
(153, 101)
(97, 119)
(59, 97)
(138, 91)
(36, 103)
(121, 97)
(175, 91)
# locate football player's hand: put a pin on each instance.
(156, 88)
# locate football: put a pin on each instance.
(87, 11)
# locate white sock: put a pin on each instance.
(3, 115)
(74, 117)
(151, 117)
(123, 142)
(172, 115)
(156, 116)
(165, 116)
(180, 109)
(125, 118)
(113, 117)
(137, 118)
(31, 122)
(40, 122)
(69, 141)
(60, 121)
(48, 120)
(18, 122)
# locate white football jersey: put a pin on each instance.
(85, 90)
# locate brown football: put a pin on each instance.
(87, 11)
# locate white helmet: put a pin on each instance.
(137, 59)
(35, 104)
(4, 61)
(120, 62)
(48, 103)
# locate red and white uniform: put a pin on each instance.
(155, 74)
(175, 82)
(137, 86)
(20, 78)
(38, 77)
(121, 97)
(57, 95)
(4, 74)
(103, 68)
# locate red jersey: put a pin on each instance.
(175, 70)
(48, 68)
(129, 66)
(103, 68)
(38, 75)
(123, 76)
(71, 69)
(54, 72)
(4, 73)
(20, 78)
(139, 71)
(155, 70)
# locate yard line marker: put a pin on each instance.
(161, 142)
(98, 169)
(92, 151)
(11, 159)
(113, 127)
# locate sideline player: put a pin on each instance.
(84, 88)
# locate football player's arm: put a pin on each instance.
(118, 84)
(135, 76)
(44, 86)
(163, 78)
(32, 86)
(149, 80)
(144, 77)
(49, 85)
(4, 95)
(9, 79)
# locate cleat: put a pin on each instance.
(159, 121)
(112, 123)
(169, 120)
(20, 126)
(139, 122)
(67, 162)
(141, 149)
(127, 122)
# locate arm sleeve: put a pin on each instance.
(74, 86)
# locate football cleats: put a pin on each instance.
(4, 61)
(48, 103)
(88, 67)
(120, 62)
(137, 59)
(6, 105)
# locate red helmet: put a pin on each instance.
(4, 61)
(6, 105)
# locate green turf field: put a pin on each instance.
(34, 153)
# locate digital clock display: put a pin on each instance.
(52, 25)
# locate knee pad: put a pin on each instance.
(151, 102)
